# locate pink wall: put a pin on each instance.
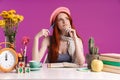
(97, 18)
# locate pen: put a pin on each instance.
(22, 51)
(51, 27)
(25, 50)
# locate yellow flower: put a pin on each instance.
(4, 14)
(2, 23)
(17, 16)
(15, 19)
(21, 18)
(11, 16)
(12, 11)
(10, 20)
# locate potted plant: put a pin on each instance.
(93, 52)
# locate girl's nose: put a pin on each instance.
(65, 22)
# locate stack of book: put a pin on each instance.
(111, 62)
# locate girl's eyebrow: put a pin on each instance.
(62, 18)
(67, 17)
(59, 18)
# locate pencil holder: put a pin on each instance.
(23, 59)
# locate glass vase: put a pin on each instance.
(10, 39)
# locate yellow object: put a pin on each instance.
(19, 55)
(12, 19)
(97, 65)
(2, 23)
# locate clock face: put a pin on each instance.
(8, 59)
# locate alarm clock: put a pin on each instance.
(8, 59)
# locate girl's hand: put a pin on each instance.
(43, 32)
(72, 32)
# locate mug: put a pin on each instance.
(34, 64)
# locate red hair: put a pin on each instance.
(55, 41)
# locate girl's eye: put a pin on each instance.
(60, 20)
(67, 18)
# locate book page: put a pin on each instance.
(109, 58)
(55, 65)
(111, 70)
(113, 55)
(70, 65)
(112, 67)
(61, 65)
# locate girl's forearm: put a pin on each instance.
(79, 51)
(35, 49)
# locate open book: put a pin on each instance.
(62, 65)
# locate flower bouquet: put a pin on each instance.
(9, 23)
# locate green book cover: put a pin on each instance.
(111, 63)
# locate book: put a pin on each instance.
(62, 65)
(111, 55)
(109, 58)
(112, 63)
(112, 67)
(106, 69)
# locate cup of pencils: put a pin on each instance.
(25, 41)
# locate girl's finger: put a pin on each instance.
(45, 35)
(48, 31)
(70, 34)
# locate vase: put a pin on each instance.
(10, 39)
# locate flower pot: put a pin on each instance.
(89, 58)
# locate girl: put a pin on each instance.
(64, 45)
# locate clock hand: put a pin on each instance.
(6, 56)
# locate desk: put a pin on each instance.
(60, 74)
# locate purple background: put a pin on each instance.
(97, 18)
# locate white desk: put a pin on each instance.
(61, 74)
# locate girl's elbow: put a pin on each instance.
(81, 62)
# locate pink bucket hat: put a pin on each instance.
(57, 11)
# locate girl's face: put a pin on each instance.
(63, 22)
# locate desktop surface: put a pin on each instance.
(60, 74)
